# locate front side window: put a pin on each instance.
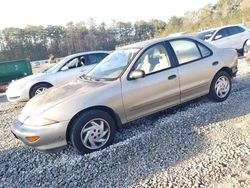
(205, 35)
(113, 65)
(74, 63)
(154, 59)
(185, 50)
(221, 34)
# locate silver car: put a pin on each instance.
(67, 69)
(132, 82)
(231, 36)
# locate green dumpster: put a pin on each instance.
(12, 70)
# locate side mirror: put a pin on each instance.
(207, 37)
(136, 74)
(218, 37)
(64, 68)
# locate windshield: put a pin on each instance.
(206, 35)
(56, 66)
(113, 65)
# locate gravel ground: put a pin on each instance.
(197, 144)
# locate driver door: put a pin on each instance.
(221, 39)
(159, 88)
(71, 70)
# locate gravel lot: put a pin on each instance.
(198, 144)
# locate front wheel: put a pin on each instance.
(220, 87)
(39, 88)
(91, 131)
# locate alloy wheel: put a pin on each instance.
(40, 90)
(95, 133)
(222, 86)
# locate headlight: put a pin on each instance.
(15, 86)
(39, 121)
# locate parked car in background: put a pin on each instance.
(247, 47)
(68, 68)
(231, 36)
(132, 82)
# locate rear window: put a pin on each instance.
(205, 35)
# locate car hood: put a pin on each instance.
(57, 95)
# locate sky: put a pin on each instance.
(20, 13)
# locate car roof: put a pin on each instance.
(87, 53)
(148, 43)
(221, 27)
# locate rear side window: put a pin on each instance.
(235, 30)
(240, 29)
(186, 51)
(205, 52)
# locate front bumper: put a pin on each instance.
(51, 136)
(17, 96)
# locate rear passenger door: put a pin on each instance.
(196, 67)
(236, 37)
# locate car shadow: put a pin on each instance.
(145, 147)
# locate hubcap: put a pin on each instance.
(40, 90)
(222, 86)
(95, 133)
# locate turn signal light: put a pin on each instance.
(32, 138)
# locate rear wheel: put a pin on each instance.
(220, 87)
(37, 89)
(91, 131)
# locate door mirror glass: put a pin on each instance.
(136, 74)
(208, 36)
(64, 68)
(218, 37)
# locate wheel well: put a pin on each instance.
(37, 85)
(245, 43)
(115, 117)
(226, 69)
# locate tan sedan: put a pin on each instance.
(132, 82)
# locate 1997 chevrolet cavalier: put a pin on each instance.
(132, 82)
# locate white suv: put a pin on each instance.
(231, 36)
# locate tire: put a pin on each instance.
(39, 87)
(223, 89)
(244, 50)
(91, 131)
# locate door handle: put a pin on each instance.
(172, 77)
(215, 63)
